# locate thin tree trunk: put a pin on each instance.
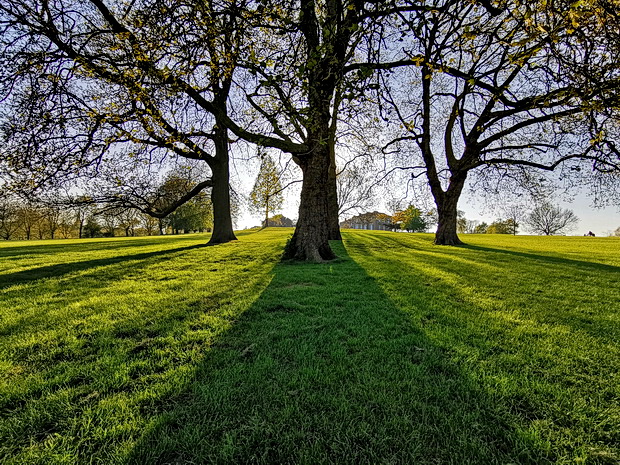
(310, 240)
(220, 192)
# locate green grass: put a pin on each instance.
(159, 350)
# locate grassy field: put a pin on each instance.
(161, 350)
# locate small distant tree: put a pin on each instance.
(617, 232)
(280, 221)
(411, 219)
(266, 195)
(66, 224)
(9, 223)
(110, 221)
(465, 226)
(128, 220)
(548, 219)
(516, 213)
(194, 215)
(481, 228)
(29, 218)
(149, 224)
(503, 227)
(51, 217)
(91, 228)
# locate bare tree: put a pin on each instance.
(494, 93)
(9, 219)
(549, 220)
(50, 219)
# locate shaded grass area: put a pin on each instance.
(162, 351)
(534, 322)
(96, 336)
(324, 368)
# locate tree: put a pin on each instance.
(266, 195)
(617, 232)
(9, 223)
(29, 218)
(481, 228)
(66, 224)
(516, 213)
(128, 220)
(279, 221)
(548, 219)
(148, 223)
(496, 93)
(194, 215)
(303, 74)
(411, 219)
(92, 228)
(503, 227)
(99, 84)
(51, 217)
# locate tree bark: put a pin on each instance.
(220, 192)
(447, 203)
(332, 197)
(310, 240)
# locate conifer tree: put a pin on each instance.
(266, 194)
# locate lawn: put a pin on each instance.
(161, 350)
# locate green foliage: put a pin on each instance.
(280, 221)
(194, 215)
(503, 227)
(411, 219)
(159, 350)
(92, 228)
(266, 195)
(480, 228)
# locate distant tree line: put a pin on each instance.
(102, 215)
(37, 220)
(544, 219)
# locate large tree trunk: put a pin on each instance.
(332, 196)
(310, 240)
(447, 212)
(220, 192)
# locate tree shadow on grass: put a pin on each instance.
(549, 259)
(325, 368)
(540, 335)
(59, 269)
(90, 355)
(27, 248)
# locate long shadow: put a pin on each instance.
(34, 274)
(82, 245)
(325, 368)
(548, 259)
(103, 357)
